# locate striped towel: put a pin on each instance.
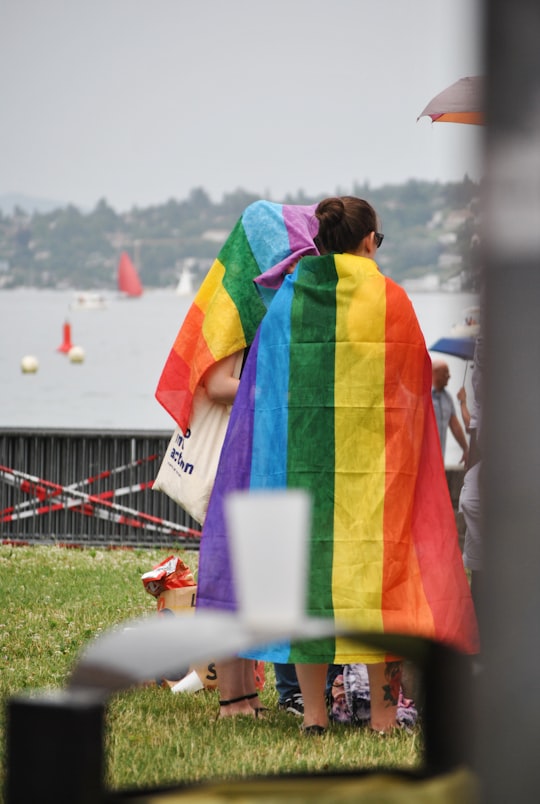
(336, 398)
(229, 306)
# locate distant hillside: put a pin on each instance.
(431, 229)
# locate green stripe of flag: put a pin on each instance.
(311, 457)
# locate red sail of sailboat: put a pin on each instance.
(128, 278)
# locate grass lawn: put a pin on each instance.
(54, 600)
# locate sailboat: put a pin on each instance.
(185, 283)
(129, 283)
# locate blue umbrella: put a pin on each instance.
(457, 347)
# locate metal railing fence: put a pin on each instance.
(87, 487)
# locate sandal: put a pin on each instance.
(255, 710)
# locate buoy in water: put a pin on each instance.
(29, 364)
(66, 344)
(76, 354)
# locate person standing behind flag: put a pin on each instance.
(342, 378)
(470, 497)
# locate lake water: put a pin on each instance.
(125, 347)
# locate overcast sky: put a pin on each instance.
(139, 101)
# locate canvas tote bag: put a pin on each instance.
(188, 469)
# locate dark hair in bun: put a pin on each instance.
(343, 223)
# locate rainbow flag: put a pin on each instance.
(234, 296)
(336, 398)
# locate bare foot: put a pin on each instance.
(245, 705)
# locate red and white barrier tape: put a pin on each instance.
(65, 502)
(42, 494)
(75, 497)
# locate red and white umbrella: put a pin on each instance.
(461, 102)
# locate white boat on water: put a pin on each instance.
(88, 300)
(185, 283)
(469, 326)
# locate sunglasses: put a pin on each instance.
(378, 239)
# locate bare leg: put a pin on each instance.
(312, 680)
(384, 684)
(236, 680)
(249, 683)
